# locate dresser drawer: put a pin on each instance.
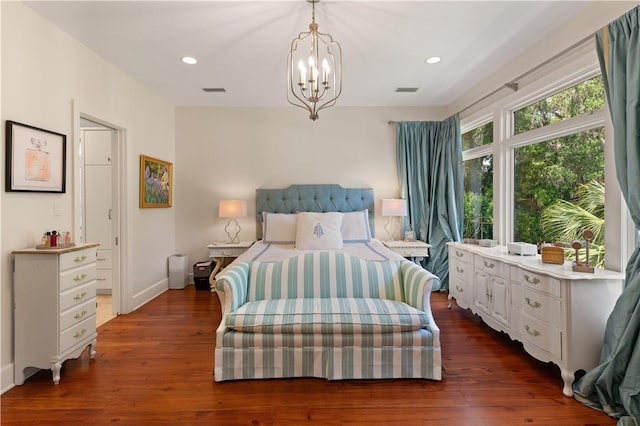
(226, 251)
(77, 333)
(542, 306)
(461, 255)
(77, 295)
(542, 335)
(491, 267)
(76, 277)
(412, 251)
(536, 281)
(77, 258)
(462, 270)
(77, 314)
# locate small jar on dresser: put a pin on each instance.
(54, 307)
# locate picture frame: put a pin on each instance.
(36, 159)
(156, 183)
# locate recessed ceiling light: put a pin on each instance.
(189, 60)
(433, 60)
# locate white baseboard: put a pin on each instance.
(6, 378)
(150, 293)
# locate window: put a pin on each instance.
(479, 136)
(559, 190)
(478, 198)
(535, 162)
(478, 183)
(582, 98)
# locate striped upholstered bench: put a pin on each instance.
(326, 314)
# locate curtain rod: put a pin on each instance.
(513, 84)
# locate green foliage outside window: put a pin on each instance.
(583, 98)
(558, 183)
(478, 185)
(478, 198)
(550, 171)
(479, 136)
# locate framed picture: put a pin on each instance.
(36, 159)
(156, 182)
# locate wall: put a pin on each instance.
(43, 72)
(230, 152)
(598, 14)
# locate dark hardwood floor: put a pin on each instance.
(154, 366)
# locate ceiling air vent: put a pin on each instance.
(214, 89)
(406, 90)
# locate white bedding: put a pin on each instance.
(373, 250)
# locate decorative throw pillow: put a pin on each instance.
(355, 227)
(278, 228)
(319, 231)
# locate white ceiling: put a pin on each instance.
(242, 45)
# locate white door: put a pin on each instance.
(99, 211)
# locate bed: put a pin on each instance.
(319, 296)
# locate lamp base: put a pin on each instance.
(233, 236)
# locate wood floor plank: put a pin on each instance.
(154, 366)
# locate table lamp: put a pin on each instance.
(392, 208)
(232, 209)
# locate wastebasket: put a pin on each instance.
(177, 271)
(201, 272)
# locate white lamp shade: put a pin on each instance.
(232, 208)
(394, 207)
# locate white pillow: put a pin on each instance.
(278, 228)
(355, 227)
(319, 231)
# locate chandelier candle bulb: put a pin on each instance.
(325, 71)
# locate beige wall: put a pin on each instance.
(43, 72)
(230, 152)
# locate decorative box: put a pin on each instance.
(552, 254)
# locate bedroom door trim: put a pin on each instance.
(121, 292)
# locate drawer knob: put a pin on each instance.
(79, 277)
(79, 259)
(460, 270)
(102, 259)
(80, 333)
(489, 264)
(534, 333)
(80, 296)
(459, 254)
(531, 280)
(460, 289)
(80, 315)
(534, 304)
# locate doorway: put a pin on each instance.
(98, 209)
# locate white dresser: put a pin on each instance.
(54, 308)
(558, 315)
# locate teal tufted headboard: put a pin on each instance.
(313, 198)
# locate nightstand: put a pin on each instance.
(223, 250)
(414, 250)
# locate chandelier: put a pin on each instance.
(314, 69)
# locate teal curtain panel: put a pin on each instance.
(431, 176)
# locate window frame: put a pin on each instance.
(619, 230)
